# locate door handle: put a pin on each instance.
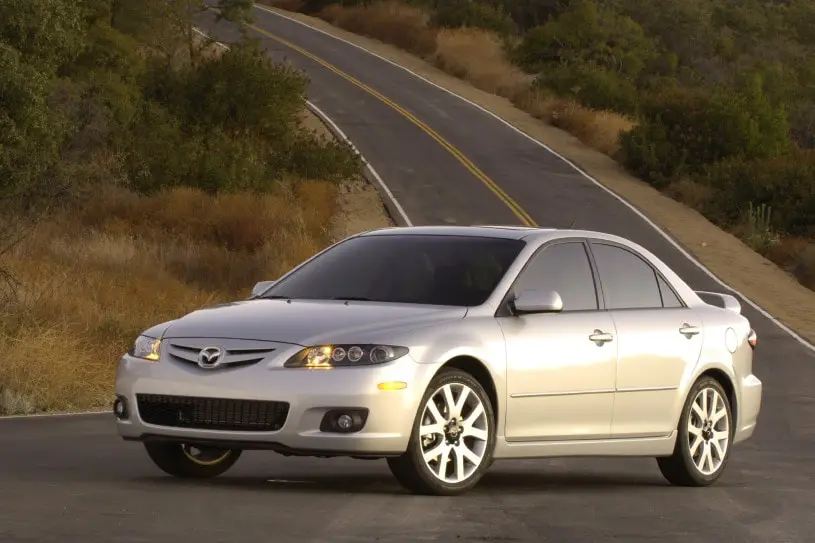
(600, 337)
(687, 330)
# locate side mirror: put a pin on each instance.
(538, 301)
(262, 287)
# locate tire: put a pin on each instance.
(411, 470)
(179, 460)
(681, 468)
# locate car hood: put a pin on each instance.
(307, 322)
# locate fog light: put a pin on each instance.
(120, 408)
(345, 422)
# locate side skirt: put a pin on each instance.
(632, 447)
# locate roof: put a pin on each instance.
(490, 231)
(498, 231)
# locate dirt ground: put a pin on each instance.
(725, 255)
(360, 207)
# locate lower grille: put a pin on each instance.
(212, 413)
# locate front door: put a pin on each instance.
(560, 367)
(659, 342)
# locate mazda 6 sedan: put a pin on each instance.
(441, 349)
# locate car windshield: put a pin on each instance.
(416, 269)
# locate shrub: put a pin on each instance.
(244, 91)
(683, 131)
(783, 183)
(593, 85)
(587, 33)
(465, 13)
(478, 56)
(389, 21)
(29, 130)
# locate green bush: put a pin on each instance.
(229, 124)
(30, 132)
(783, 183)
(682, 131)
(592, 85)
(458, 13)
(588, 33)
(244, 91)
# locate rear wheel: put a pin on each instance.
(453, 437)
(703, 440)
(188, 461)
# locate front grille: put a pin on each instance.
(236, 354)
(212, 413)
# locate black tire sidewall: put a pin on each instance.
(171, 459)
(417, 465)
(683, 445)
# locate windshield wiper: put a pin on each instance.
(352, 298)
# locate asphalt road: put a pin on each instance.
(71, 478)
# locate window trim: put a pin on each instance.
(657, 275)
(504, 309)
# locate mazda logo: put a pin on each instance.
(209, 357)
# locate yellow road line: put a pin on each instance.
(467, 163)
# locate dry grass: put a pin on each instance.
(389, 21)
(94, 276)
(479, 57)
(596, 128)
(689, 192)
(796, 256)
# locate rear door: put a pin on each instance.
(659, 340)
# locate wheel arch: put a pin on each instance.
(727, 384)
(480, 373)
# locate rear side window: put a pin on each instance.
(628, 281)
(564, 268)
(669, 299)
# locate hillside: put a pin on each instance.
(710, 102)
(145, 173)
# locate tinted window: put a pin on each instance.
(628, 282)
(669, 299)
(564, 268)
(420, 269)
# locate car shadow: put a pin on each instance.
(379, 484)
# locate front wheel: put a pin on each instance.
(188, 461)
(453, 437)
(703, 438)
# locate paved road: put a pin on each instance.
(73, 479)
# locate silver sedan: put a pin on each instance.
(444, 348)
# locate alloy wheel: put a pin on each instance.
(708, 431)
(453, 433)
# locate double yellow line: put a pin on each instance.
(466, 162)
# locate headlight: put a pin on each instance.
(330, 356)
(146, 347)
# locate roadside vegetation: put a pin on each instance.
(143, 173)
(710, 101)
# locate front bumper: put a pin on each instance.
(310, 394)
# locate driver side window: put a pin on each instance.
(564, 268)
